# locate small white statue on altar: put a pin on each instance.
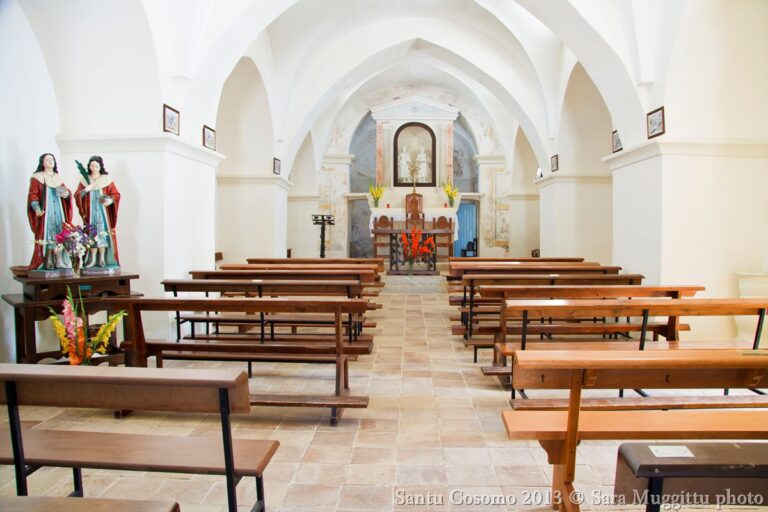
(404, 165)
(423, 166)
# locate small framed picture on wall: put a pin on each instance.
(554, 164)
(616, 142)
(655, 123)
(209, 137)
(171, 120)
(276, 166)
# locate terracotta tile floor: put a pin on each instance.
(433, 430)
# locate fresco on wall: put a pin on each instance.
(465, 170)
(362, 173)
(360, 241)
(363, 146)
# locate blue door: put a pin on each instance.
(467, 215)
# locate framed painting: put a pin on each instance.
(655, 123)
(616, 142)
(209, 137)
(554, 163)
(414, 156)
(171, 120)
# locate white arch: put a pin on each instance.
(102, 62)
(604, 66)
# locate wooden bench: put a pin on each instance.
(47, 504)
(363, 273)
(645, 308)
(501, 293)
(457, 270)
(325, 349)
(379, 262)
(558, 432)
(721, 474)
(260, 288)
(221, 392)
(549, 259)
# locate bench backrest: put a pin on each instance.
(364, 275)
(586, 291)
(245, 305)
(551, 259)
(651, 369)
(458, 269)
(551, 279)
(349, 287)
(566, 308)
(107, 387)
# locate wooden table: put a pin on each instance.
(39, 294)
(396, 260)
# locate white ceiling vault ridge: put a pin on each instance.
(511, 60)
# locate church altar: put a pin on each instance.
(435, 206)
(398, 215)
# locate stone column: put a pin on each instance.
(380, 153)
(575, 216)
(447, 135)
(333, 183)
(692, 212)
(492, 220)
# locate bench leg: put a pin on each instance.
(655, 486)
(77, 478)
(259, 506)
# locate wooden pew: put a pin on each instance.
(324, 349)
(365, 276)
(379, 262)
(259, 288)
(220, 392)
(457, 270)
(673, 309)
(495, 295)
(365, 273)
(549, 259)
(48, 503)
(559, 432)
(472, 282)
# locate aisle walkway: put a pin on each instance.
(432, 431)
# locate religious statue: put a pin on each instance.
(404, 165)
(98, 200)
(423, 167)
(49, 206)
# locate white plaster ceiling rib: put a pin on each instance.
(219, 55)
(439, 81)
(359, 74)
(515, 89)
(604, 65)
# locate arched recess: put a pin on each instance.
(244, 135)
(576, 204)
(610, 74)
(465, 169)
(103, 64)
(523, 200)
(362, 173)
(585, 128)
(303, 200)
(244, 123)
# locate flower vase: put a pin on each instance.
(410, 267)
(450, 201)
(75, 259)
(375, 203)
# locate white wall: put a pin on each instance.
(303, 237)
(576, 205)
(523, 201)
(574, 217)
(715, 224)
(27, 129)
(637, 217)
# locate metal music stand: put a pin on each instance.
(322, 221)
